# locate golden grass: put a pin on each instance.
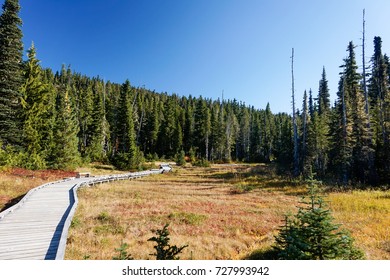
(199, 205)
(222, 212)
(367, 215)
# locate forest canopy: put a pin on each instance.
(61, 119)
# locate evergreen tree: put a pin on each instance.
(11, 76)
(202, 127)
(217, 132)
(379, 93)
(35, 102)
(361, 150)
(244, 138)
(128, 154)
(267, 134)
(65, 154)
(284, 143)
(312, 234)
(168, 129)
(98, 129)
(323, 94)
(318, 144)
(231, 132)
(342, 123)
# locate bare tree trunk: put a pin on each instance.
(296, 155)
(344, 123)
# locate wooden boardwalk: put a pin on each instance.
(36, 228)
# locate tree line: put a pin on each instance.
(63, 119)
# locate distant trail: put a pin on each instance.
(37, 227)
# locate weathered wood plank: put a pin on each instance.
(36, 228)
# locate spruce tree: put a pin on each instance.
(98, 129)
(361, 150)
(379, 93)
(168, 129)
(127, 155)
(202, 128)
(217, 132)
(323, 94)
(65, 154)
(267, 134)
(11, 77)
(35, 102)
(312, 234)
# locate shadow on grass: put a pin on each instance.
(12, 202)
(262, 254)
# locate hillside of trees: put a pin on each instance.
(60, 120)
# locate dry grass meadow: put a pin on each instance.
(222, 212)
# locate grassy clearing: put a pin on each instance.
(199, 205)
(222, 212)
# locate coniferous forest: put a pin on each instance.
(62, 119)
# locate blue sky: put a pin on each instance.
(204, 47)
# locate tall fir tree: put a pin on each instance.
(341, 135)
(323, 94)
(202, 128)
(65, 154)
(353, 143)
(11, 76)
(127, 155)
(379, 92)
(98, 129)
(36, 102)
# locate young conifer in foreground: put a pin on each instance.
(165, 251)
(312, 234)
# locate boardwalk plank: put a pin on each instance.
(36, 228)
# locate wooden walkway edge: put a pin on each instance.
(37, 227)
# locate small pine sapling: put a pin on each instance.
(312, 234)
(122, 252)
(164, 251)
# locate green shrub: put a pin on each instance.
(180, 158)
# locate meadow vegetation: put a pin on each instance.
(220, 212)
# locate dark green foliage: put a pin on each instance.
(201, 163)
(68, 118)
(11, 77)
(323, 95)
(37, 121)
(180, 158)
(312, 234)
(65, 154)
(165, 251)
(127, 154)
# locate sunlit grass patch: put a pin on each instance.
(366, 214)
